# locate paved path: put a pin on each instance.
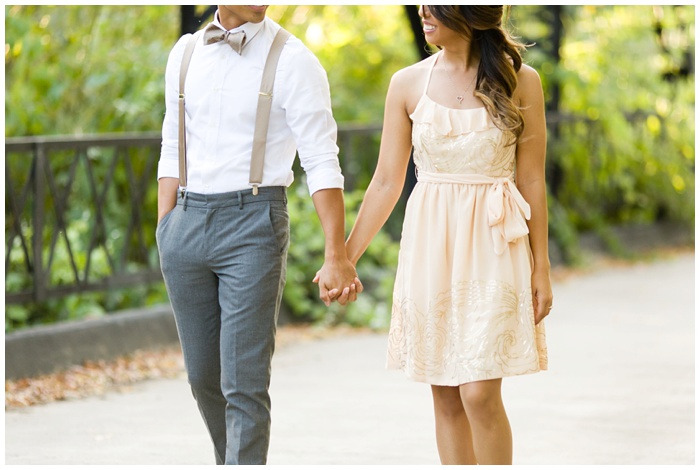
(620, 390)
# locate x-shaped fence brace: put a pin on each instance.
(28, 207)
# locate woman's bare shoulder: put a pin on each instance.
(407, 85)
(529, 84)
(528, 77)
(413, 73)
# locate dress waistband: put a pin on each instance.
(507, 209)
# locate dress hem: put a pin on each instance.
(442, 383)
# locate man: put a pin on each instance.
(223, 245)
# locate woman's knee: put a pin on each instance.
(482, 397)
(447, 402)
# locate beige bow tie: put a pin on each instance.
(214, 34)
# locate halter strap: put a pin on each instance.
(430, 73)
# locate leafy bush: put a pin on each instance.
(625, 155)
(86, 69)
(623, 149)
(376, 268)
(633, 159)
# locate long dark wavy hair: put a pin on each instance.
(500, 59)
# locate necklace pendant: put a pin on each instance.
(460, 99)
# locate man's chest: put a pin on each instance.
(220, 82)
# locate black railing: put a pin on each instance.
(80, 211)
(88, 195)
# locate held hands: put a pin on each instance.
(337, 281)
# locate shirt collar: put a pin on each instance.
(250, 29)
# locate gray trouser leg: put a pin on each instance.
(223, 260)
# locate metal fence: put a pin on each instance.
(80, 212)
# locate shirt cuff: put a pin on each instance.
(168, 169)
(324, 178)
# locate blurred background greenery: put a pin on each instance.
(619, 83)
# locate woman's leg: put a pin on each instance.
(491, 436)
(454, 438)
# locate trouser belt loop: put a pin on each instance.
(240, 200)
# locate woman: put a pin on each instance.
(473, 283)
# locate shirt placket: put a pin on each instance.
(215, 117)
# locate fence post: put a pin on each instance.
(38, 221)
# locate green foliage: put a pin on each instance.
(642, 156)
(625, 153)
(84, 245)
(359, 46)
(82, 306)
(86, 69)
(376, 268)
(99, 68)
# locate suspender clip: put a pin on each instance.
(255, 189)
(182, 192)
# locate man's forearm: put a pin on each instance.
(330, 207)
(337, 279)
(167, 195)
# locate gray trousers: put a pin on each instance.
(223, 258)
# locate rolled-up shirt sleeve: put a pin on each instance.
(307, 103)
(168, 165)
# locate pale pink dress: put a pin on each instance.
(462, 308)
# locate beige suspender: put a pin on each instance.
(262, 117)
(181, 144)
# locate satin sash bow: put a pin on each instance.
(507, 209)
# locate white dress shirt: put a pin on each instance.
(221, 96)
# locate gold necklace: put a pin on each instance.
(460, 98)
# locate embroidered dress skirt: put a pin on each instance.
(462, 311)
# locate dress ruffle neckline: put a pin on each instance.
(450, 121)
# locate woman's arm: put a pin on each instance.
(337, 275)
(388, 180)
(530, 179)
